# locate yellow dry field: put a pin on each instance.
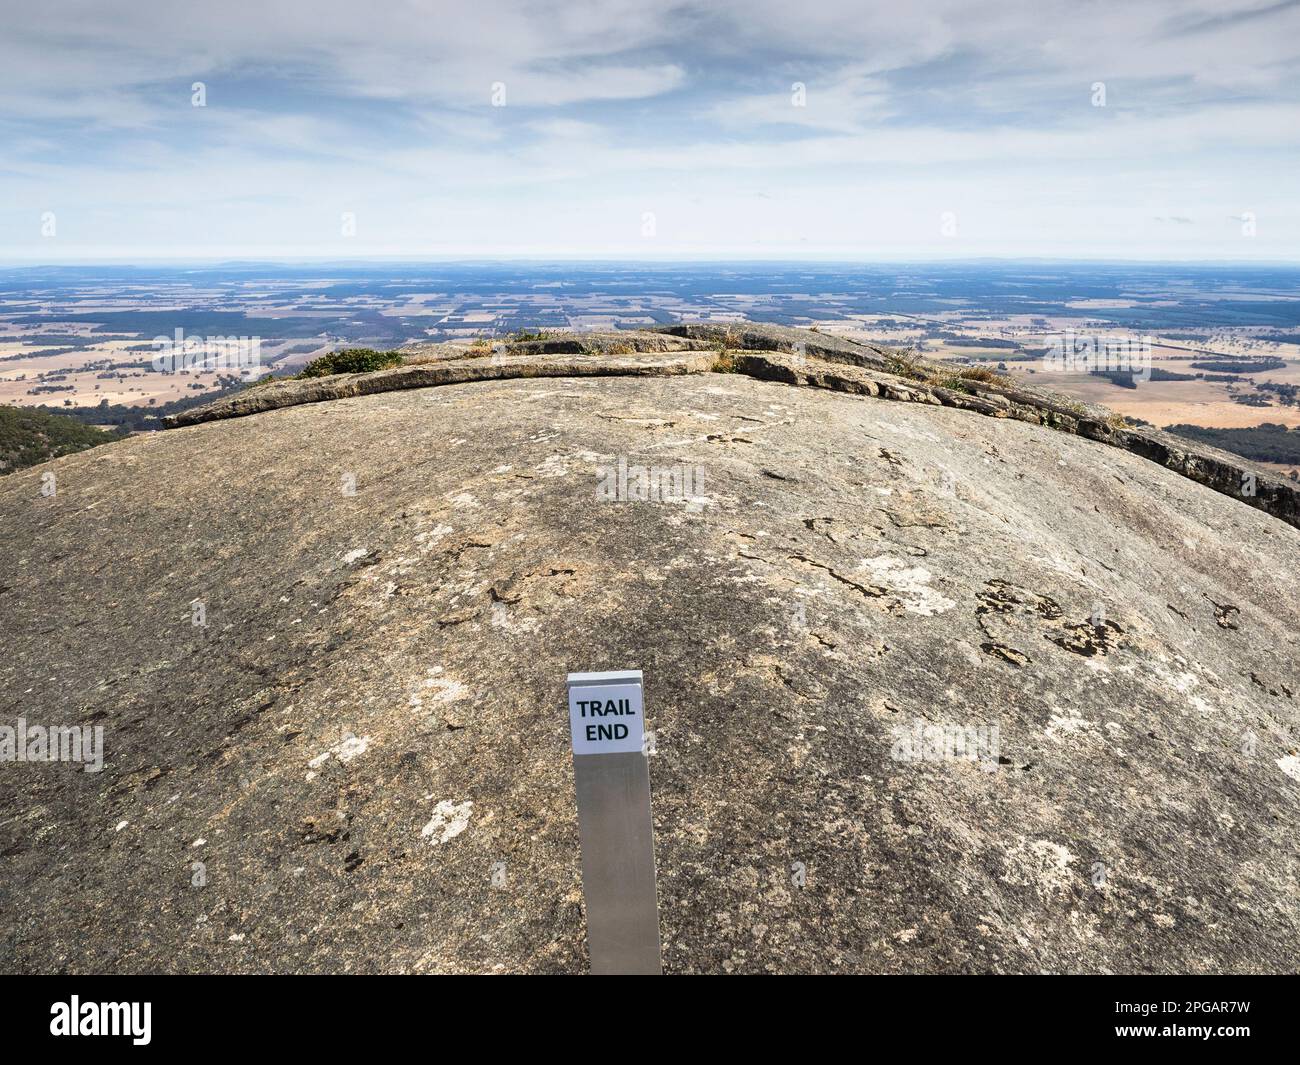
(89, 390)
(81, 370)
(1281, 469)
(1161, 403)
(1165, 402)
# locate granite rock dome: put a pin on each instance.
(359, 760)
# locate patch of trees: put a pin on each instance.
(143, 419)
(42, 353)
(1131, 378)
(977, 342)
(1268, 442)
(1288, 394)
(1240, 365)
(29, 435)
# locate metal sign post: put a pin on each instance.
(611, 776)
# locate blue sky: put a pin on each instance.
(650, 130)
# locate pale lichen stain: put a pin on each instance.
(437, 689)
(1062, 725)
(1039, 864)
(911, 584)
(449, 821)
(345, 750)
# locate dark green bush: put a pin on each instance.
(351, 360)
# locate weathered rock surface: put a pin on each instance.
(373, 719)
(438, 371)
(778, 353)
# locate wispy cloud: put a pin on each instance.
(745, 126)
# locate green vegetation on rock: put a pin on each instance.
(351, 360)
(346, 360)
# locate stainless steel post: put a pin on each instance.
(611, 775)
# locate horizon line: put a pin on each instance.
(451, 260)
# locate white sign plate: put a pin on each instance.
(606, 718)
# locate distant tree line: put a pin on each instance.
(1268, 442)
(1240, 365)
(1130, 378)
(141, 419)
